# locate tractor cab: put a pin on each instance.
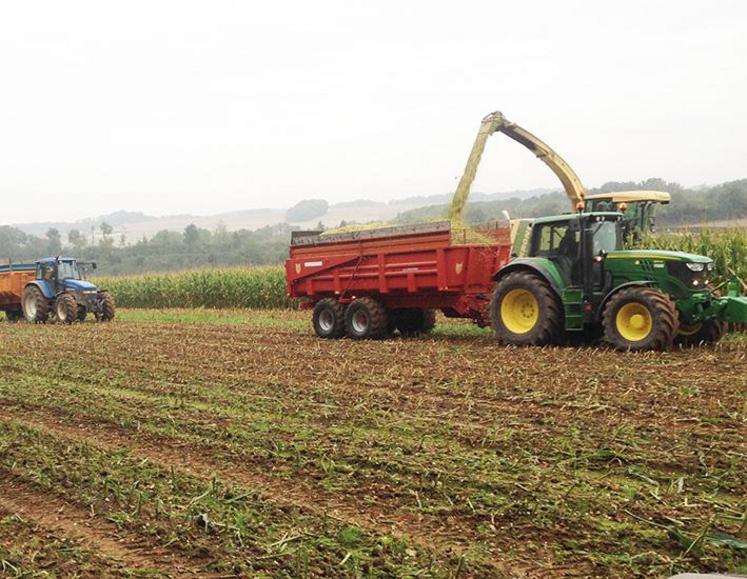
(570, 243)
(639, 208)
(62, 274)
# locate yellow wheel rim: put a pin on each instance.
(519, 311)
(634, 322)
(689, 329)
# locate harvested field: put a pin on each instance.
(228, 443)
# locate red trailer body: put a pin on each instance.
(414, 267)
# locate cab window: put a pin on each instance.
(606, 237)
(45, 271)
(555, 239)
(68, 270)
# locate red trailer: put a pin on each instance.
(366, 284)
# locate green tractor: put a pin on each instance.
(576, 283)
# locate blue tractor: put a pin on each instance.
(59, 291)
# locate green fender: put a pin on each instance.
(544, 268)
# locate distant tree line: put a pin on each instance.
(166, 251)
(196, 247)
(688, 206)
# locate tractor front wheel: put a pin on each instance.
(65, 309)
(329, 319)
(640, 318)
(524, 311)
(366, 318)
(708, 332)
(35, 305)
(106, 307)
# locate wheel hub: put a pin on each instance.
(634, 322)
(360, 322)
(326, 320)
(519, 311)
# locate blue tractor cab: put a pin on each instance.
(59, 290)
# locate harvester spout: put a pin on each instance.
(495, 121)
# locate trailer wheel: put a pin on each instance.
(329, 319)
(525, 311)
(640, 318)
(65, 309)
(35, 305)
(14, 315)
(106, 313)
(414, 321)
(708, 332)
(366, 318)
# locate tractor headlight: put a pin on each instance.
(693, 266)
(710, 265)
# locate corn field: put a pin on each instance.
(255, 287)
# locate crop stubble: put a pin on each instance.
(441, 456)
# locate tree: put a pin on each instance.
(191, 235)
(77, 240)
(54, 241)
(106, 229)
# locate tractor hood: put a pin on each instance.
(79, 285)
(655, 254)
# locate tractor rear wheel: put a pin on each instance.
(65, 309)
(414, 321)
(708, 332)
(329, 319)
(366, 318)
(640, 318)
(35, 305)
(525, 311)
(106, 302)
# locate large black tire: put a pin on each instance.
(35, 305)
(14, 315)
(366, 319)
(414, 321)
(107, 307)
(329, 319)
(708, 332)
(640, 318)
(65, 309)
(525, 311)
(82, 313)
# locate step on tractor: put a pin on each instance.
(56, 290)
(552, 280)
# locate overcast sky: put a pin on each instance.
(205, 107)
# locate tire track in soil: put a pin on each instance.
(429, 535)
(58, 516)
